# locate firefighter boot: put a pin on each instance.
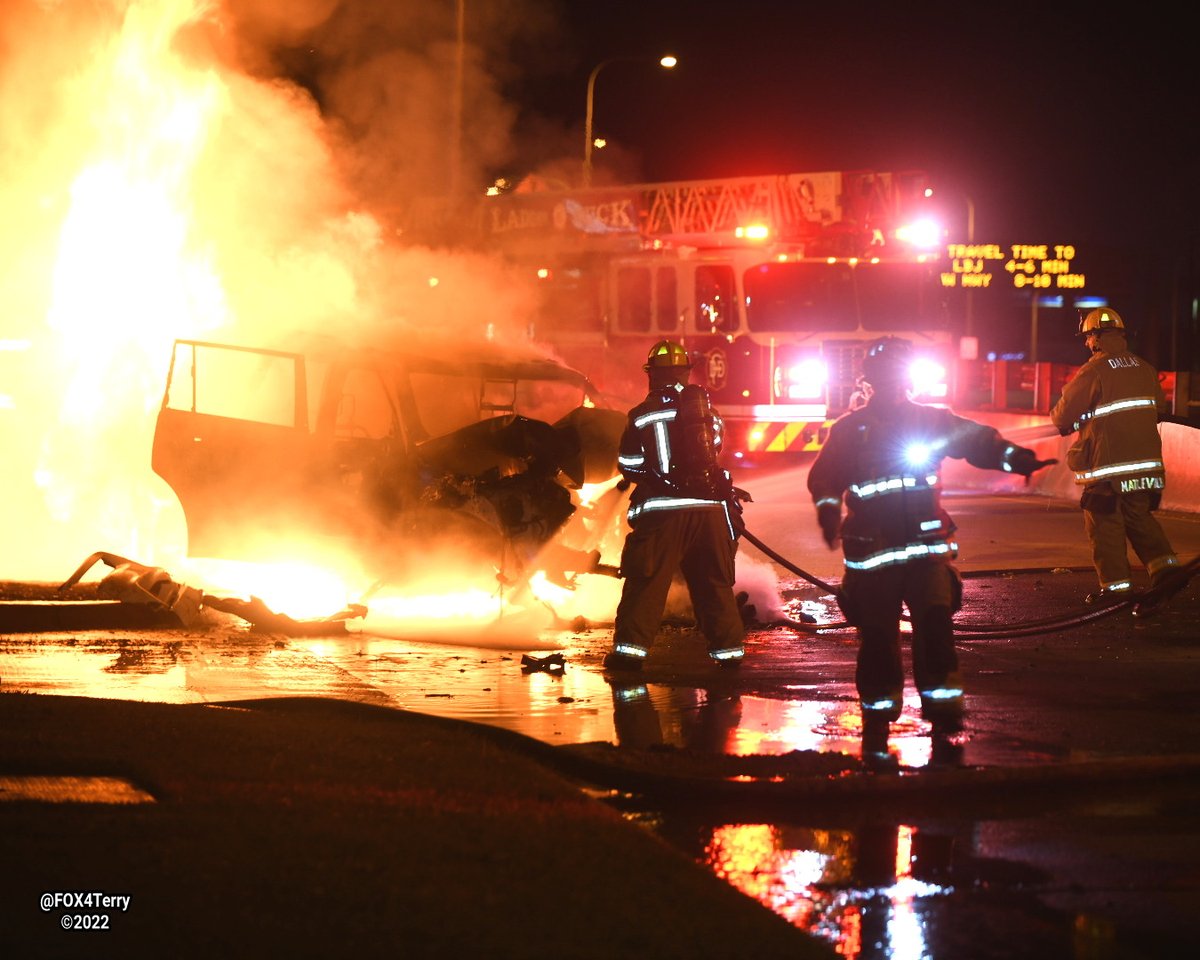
(1169, 583)
(728, 658)
(622, 663)
(875, 754)
(1104, 597)
(945, 751)
(946, 737)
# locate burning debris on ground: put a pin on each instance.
(263, 619)
(135, 583)
(135, 596)
(149, 597)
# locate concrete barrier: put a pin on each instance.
(1181, 454)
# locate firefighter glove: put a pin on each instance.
(829, 516)
(1024, 462)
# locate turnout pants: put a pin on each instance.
(1120, 518)
(873, 601)
(696, 543)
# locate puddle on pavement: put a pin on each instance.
(874, 891)
(467, 683)
(477, 684)
(646, 716)
(1088, 877)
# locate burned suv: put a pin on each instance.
(396, 456)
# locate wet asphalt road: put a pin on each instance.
(1023, 560)
(1066, 830)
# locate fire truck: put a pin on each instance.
(776, 283)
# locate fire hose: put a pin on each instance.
(994, 631)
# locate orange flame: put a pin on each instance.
(159, 191)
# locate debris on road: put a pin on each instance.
(153, 588)
(132, 582)
(554, 663)
(261, 617)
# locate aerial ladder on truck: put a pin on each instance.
(778, 282)
(849, 212)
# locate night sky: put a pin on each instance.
(1064, 123)
(1063, 119)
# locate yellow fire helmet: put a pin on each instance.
(1099, 320)
(667, 353)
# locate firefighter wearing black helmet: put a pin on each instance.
(1115, 403)
(881, 462)
(684, 516)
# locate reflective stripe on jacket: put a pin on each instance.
(1115, 402)
(654, 454)
(883, 460)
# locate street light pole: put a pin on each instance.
(667, 62)
(1033, 333)
(969, 328)
(456, 121)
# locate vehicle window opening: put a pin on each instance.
(364, 410)
(800, 298)
(238, 384)
(666, 312)
(897, 298)
(548, 400)
(633, 300)
(497, 397)
(716, 310)
(445, 402)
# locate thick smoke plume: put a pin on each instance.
(230, 171)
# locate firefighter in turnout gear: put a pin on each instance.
(684, 516)
(898, 541)
(1115, 403)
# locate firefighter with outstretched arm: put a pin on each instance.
(684, 516)
(898, 542)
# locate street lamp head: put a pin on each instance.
(667, 62)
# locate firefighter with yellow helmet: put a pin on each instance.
(684, 516)
(1114, 403)
(882, 461)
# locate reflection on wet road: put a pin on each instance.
(1095, 872)
(813, 711)
(1068, 877)
(1043, 884)
(467, 683)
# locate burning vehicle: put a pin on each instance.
(398, 457)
